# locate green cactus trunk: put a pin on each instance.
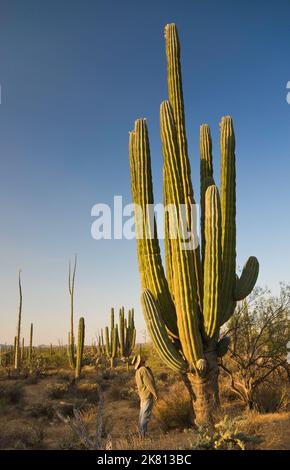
(111, 341)
(22, 351)
(185, 310)
(30, 350)
(126, 333)
(80, 347)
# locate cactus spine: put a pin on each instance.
(185, 310)
(17, 338)
(80, 347)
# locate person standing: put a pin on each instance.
(147, 392)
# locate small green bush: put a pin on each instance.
(225, 435)
(57, 390)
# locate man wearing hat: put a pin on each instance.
(147, 391)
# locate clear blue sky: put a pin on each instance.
(74, 76)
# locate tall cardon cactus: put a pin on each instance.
(185, 307)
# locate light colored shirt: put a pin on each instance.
(145, 383)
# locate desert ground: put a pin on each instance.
(30, 405)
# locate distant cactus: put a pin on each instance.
(112, 340)
(101, 349)
(80, 347)
(127, 333)
(71, 338)
(22, 351)
(17, 356)
(185, 309)
(30, 350)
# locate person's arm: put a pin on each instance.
(149, 382)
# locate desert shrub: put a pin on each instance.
(174, 409)
(57, 390)
(114, 392)
(269, 399)
(11, 393)
(88, 391)
(64, 376)
(225, 435)
(29, 437)
(109, 375)
(40, 410)
(35, 435)
(129, 393)
(122, 378)
(31, 380)
(70, 442)
(258, 333)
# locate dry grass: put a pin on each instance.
(169, 428)
(274, 428)
(173, 410)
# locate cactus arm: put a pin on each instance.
(112, 319)
(229, 311)
(175, 94)
(114, 343)
(107, 342)
(206, 172)
(158, 333)
(248, 279)
(149, 257)
(228, 211)
(121, 332)
(167, 240)
(22, 351)
(185, 286)
(133, 339)
(212, 262)
(30, 345)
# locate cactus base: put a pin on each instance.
(205, 391)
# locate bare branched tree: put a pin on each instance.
(79, 428)
(259, 332)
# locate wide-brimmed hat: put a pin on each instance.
(136, 361)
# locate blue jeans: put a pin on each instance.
(145, 415)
